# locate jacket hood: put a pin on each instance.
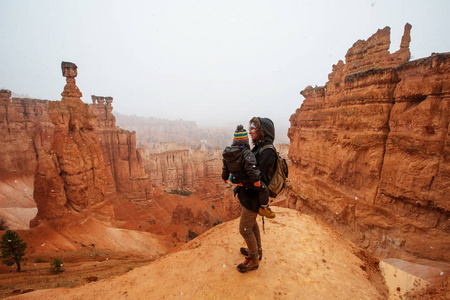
(232, 152)
(265, 129)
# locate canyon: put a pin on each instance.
(368, 156)
(152, 132)
(67, 164)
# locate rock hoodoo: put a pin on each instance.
(370, 150)
(70, 175)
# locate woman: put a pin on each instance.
(262, 132)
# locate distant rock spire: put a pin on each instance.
(404, 53)
(406, 38)
(71, 91)
(5, 96)
(102, 108)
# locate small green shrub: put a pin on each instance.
(56, 265)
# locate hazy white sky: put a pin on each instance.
(209, 61)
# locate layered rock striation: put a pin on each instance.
(370, 150)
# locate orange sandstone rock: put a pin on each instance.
(370, 150)
(70, 175)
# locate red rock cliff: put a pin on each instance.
(370, 150)
(123, 161)
(20, 120)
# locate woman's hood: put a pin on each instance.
(265, 129)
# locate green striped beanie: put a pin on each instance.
(240, 136)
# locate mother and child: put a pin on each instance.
(251, 171)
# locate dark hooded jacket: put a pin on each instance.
(265, 162)
(240, 160)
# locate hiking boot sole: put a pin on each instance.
(244, 271)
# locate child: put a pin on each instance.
(241, 162)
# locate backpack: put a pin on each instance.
(279, 178)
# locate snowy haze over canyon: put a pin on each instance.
(215, 63)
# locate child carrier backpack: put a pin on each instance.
(279, 178)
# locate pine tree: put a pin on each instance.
(12, 249)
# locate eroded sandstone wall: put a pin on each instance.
(123, 161)
(370, 150)
(182, 168)
(20, 120)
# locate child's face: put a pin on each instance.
(253, 134)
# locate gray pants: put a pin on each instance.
(249, 229)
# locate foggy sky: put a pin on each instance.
(213, 62)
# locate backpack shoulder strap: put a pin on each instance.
(271, 146)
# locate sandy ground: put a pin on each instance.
(303, 259)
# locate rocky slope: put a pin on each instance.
(370, 150)
(316, 264)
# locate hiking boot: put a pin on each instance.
(266, 212)
(248, 265)
(244, 251)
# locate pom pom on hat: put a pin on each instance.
(240, 136)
